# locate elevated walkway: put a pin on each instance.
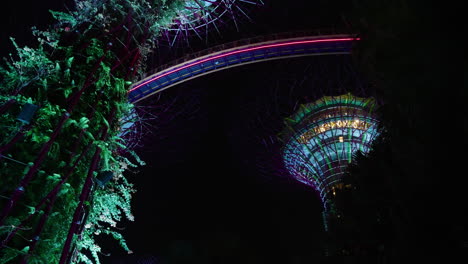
(239, 53)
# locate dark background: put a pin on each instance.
(203, 197)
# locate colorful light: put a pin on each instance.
(200, 16)
(239, 51)
(322, 136)
(195, 14)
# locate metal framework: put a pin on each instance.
(240, 53)
(201, 16)
(321, 138)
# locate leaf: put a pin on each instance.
(25, 250)
(83, 124)
(32, 210)
(66, 74)
(67, 92)
(63, 191)
(70, 122)
(90, 135)
(69, 62)
(54, 177)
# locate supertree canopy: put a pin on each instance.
(68, 129)
(196, 18)
(321, 138)
(199, 13)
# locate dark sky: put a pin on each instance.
(201, 197)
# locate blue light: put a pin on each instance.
(322, 137)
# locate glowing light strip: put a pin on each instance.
(240, 51)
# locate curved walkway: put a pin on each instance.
(236, 54)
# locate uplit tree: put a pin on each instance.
(62, 150)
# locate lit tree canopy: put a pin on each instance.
(62, 104)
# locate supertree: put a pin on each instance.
(322, 137)
(68, 129)
(319, 144)
(314, 117)
(198, 18)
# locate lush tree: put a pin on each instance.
(62, 170)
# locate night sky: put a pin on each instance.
(202, 197)
(208, 199)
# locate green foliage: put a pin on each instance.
(46, 38)
(64, 18)
(110, 204)
(45, 121)
(31, 67)
(10, 254)
(72, 55)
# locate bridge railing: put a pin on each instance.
(246, 41)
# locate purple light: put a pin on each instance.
(241, 51)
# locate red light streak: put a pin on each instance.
(241, 51)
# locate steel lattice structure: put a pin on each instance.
(321, 138)
(199, 17)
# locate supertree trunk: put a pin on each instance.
(78, 77)
(82, 95)
(86, 190)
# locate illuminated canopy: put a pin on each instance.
(200, 16)
(322, 136)
(197, 13)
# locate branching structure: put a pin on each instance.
(63, 107)
(297, 82)
(321, 139)
(197, 18)
(330, 117)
